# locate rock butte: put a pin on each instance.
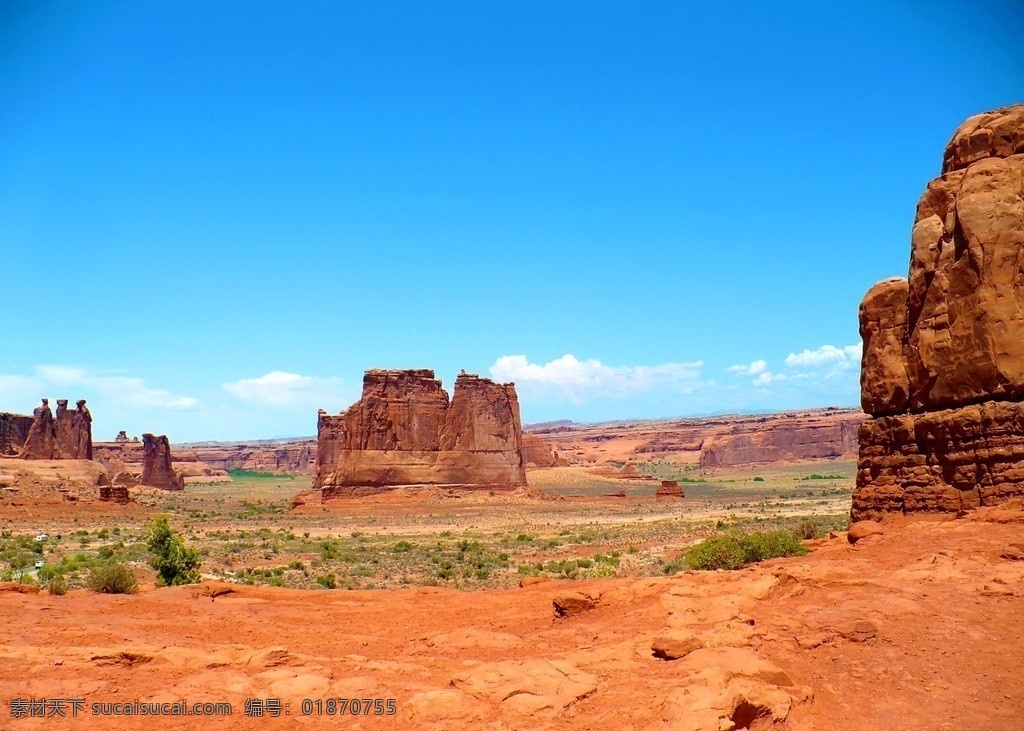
(68, 435)
(942, 373)
(404, 431)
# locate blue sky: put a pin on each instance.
(215, 215)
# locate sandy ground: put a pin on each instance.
(920, 628)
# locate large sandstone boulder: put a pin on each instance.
(943, 364)
(404, 431)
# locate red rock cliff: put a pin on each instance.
(943, 363)
(404, 431)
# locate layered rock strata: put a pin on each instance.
(777, 440)
(405, 431)
(115, 494)
(943, 364)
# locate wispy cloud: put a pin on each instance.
(827, 356)
(577, 380)
(116, 391)
(818, 365)
(290, 390)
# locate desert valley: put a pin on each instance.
(512, 366)
(427, 562)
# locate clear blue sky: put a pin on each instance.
(215, 215)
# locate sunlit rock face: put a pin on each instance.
(943, 366)
(405, 431)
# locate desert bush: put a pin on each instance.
(772, 544)
(58, 585)
(734, 550)
(175, 562)
(112, 578)
(808, 529)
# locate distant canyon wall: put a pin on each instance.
(710, 442)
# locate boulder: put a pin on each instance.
(862, 529)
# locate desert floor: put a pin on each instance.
(919, 627)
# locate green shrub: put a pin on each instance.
(327, 581)
(735, 551)
(402, 547)
(758, 479)
(719, 552)
(773, 544)
(113, 578)
(808, 529)
(175, 562)
(57, 586)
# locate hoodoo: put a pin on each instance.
(942, 373)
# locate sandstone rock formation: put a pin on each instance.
(74, 430)
(718, 441)
(66, 436)
(41, 442)
(115, 494)
(780, 440)
(670, 488)
(156, 464)
(943, 365)
(404, 431)
(14, 430)
(295, 456)
(538, 453)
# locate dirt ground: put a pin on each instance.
(919, 627)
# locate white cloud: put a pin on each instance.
(812, 369)
(576, 381)
(289, 390)
(847, 358)
(73, 382)
(756, 368)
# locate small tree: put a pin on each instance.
(175, 562)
